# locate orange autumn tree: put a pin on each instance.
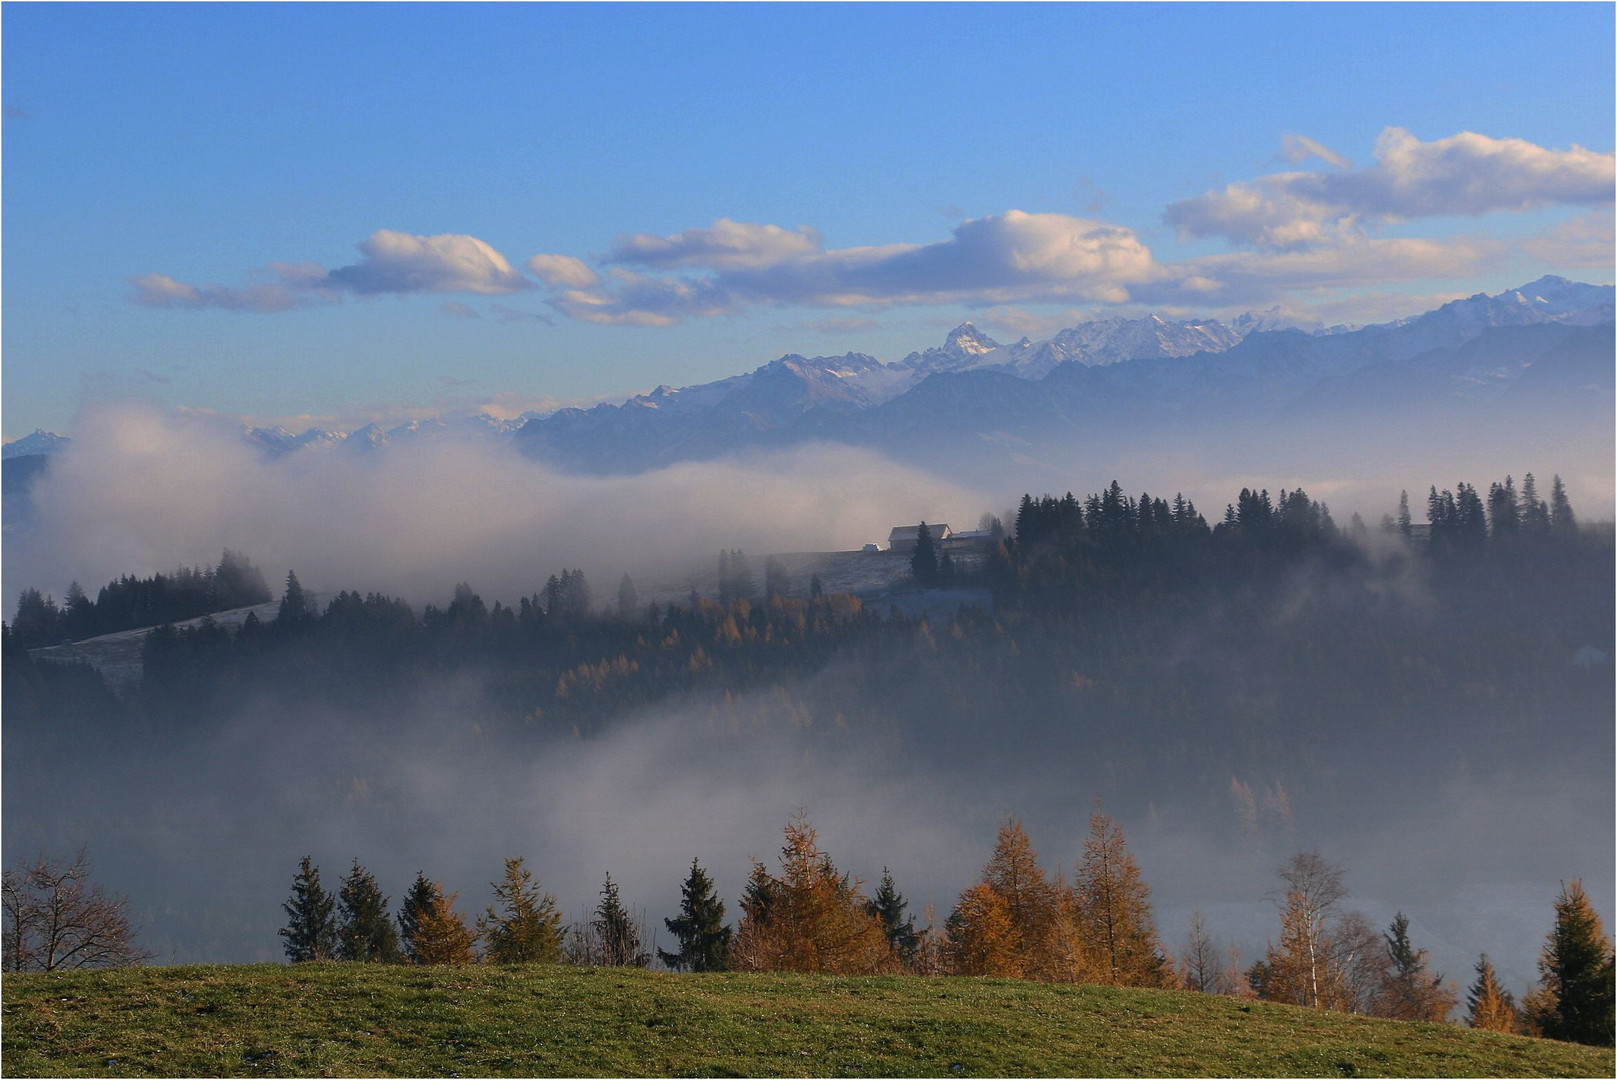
(1114, 910)
(809, 918)
(1016, 922)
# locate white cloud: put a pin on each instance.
(163, 291)
(1296, 148)
(396, 262)
(727, 245)
(562, 271)
(1011, 256)
(393, 262)
(1466, 174)
(458, 310)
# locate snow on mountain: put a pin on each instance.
(39, 441)
(1260, 355)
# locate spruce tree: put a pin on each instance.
(526, 929)
(294, 607)
(628, 599)
(1408, 990)
(924, 559)
(441, 936)
(616, 931)
(1574, 999)
(415, 904)
(364, 932)
(1562, 521)
(311, 932)
(704, 939)
(1489, 1006)
(889, 906)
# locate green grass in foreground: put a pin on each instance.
(356, 1020)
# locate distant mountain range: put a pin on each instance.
(1549, 339)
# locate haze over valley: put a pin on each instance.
(611, 460)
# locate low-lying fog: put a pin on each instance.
(205, 841)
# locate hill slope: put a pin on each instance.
(350, 1020)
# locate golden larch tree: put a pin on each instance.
(1490, 1007)
(441, 936)
(1114, 910)
(810, 918)
(1016, 921)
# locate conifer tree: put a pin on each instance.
(1016, 922)
(809, 919)
(526, 927)
(1562, 521)
(1535, 512)
(295, 608)
(704, 939)
(1573, 1001)
(440, 935)
(924, 559)
(1408, 990)
(1490, 1006)
(889, 906)
(1114, 909)
(776, 581)
(616, 932)
(1200, 965)
(364, 932)
(628, 599)
(416, 901)
(311, 932)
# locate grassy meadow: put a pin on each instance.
(373, 1020)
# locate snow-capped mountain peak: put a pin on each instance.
(967, 340)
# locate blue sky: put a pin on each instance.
(313, 214)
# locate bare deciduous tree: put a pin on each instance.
(55, 919)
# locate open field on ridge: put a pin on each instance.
(359, 1020)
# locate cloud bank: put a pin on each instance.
(1299, 232)
(1465, 174)
(141, 490)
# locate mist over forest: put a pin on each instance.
(1432, 714)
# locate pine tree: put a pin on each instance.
(1490, 1006)
(616, 932)
(311, 932)
(1405, 526)
(776, 581)
(441, 936)
(295, 608)
(1535, 512)
(1562, 521)
(889, 905)
(1408, 991)
(704, 939)
(1114, 909)
(1574, 999)
(924, 559)
(364, 932)
(526, 927)
(415, 904)
(628, 599)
